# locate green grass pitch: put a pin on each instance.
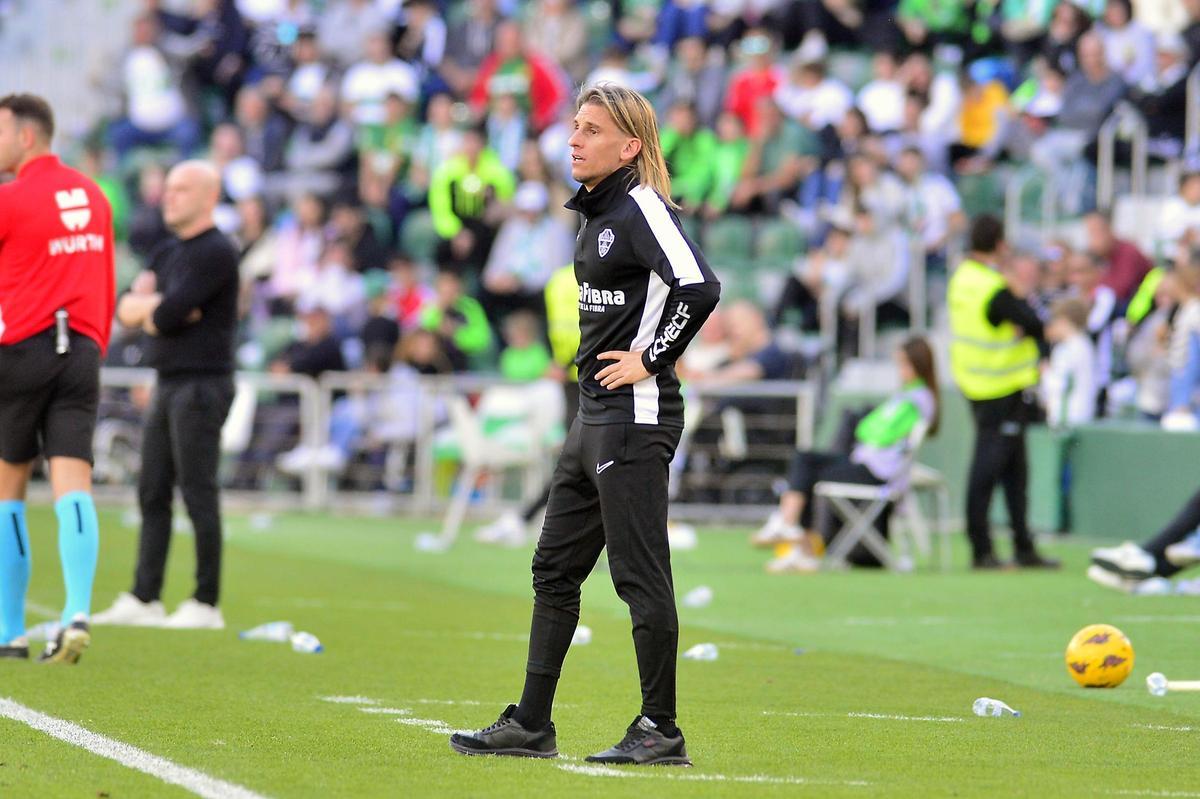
(854, 684)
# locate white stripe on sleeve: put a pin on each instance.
(645, 392)
(679, 254)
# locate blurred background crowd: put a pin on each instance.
(394, 170)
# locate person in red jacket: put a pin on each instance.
(514, 69)
(56, 309)
(756, 80)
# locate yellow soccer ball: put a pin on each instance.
(1099, 656)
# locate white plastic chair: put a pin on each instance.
(858, 520)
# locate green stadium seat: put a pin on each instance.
(728, 243)
(980, 193)
(418, 237)
(778, 244)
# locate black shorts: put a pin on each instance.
(48, 401)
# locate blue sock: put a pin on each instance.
(79, 547)
(14, 569)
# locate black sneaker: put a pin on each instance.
(506, 737)
(1033, 560)
(69, 644)
(644, 745)
(16, 649)
(989, 562)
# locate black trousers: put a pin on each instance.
(182, 446)
(610, 489)
(809, 468)
(1184, 524)
(999, 457)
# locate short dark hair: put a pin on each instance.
(987, 232)
(31, 108)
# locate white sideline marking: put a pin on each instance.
(1165, 727)
(197, 782)
(349, 700)
(436, 726)
(609, 771)
(387, 711)
(888, 621)
(1150, 792)
(860, 715)
(469, 634)
(320, 604)
(42, 610)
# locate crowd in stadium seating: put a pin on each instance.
(365, 143)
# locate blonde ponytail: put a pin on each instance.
(635, 117)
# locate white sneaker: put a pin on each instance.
(1186, 552)
(794, 563)
(508, 530)
(330, 458)
(1128, 560)
(1101, 576)
(130, 611)
(296, 461)
(775, 531)
(193, 615)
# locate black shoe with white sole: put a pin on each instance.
(16, 649)
(645, 745)
(68, 645)
(507, 737)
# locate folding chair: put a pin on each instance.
(923, 479)
(860, 506)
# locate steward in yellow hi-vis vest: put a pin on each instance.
(994, 354)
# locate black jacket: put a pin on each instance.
(643, 285)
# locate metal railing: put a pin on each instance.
(1014, 194)
(1191, 137)
(1125, 119)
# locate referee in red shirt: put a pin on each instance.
(56, 309)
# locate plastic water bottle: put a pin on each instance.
(277, 631)
(582, 636)
(306, 643)
(993, 707)
(702, 652)
(698, 597)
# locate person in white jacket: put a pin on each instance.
(1068, 381)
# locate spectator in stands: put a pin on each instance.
(693, 77)
(368, 82)
(1191, 32)
(241, 175)
(1049, 282)
(257, 241)
(1085, 275)
(348, 223)
(752, 351)
(215, 42)
(512, 68)
(385, 150)
(933, 210)
(147, 231)
(1173, 549)
(458, 321)
(877, 270)
(1068, 384)
(935, 151)
(525, 357)
(264, 133)
(438, 142)
(300, 241)
(530, 245)
(882, 99)
(320, 152)
(940, 94)
(1068, 23)
(1122, 264)
(690, 151)
(983, 118)
(807, 95)
(1183, 347)
(155, 111)
(872, 189)
(781, 154)
(755, 81)
(928, 22)
(423, 41)
(463, 196)
(407, 293)
(1161, 97)
(346, 25)
(309, 75)
(468, 43)
(507, 128)
(558, 29)
(880, 455)
(337, 289)
(1147, 357)
(822, 276)
(1181, 213)
(1128, 44)
(1088, 98)
(729, 160)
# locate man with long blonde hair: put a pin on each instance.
(644, 292)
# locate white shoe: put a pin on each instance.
(330, 458)
(794, 563)
(1101, 576)
(508, 530)
(1128, 560)
(775, 531)
(1186, 552)
(130, 611)
(296, 461)
(193, 615)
